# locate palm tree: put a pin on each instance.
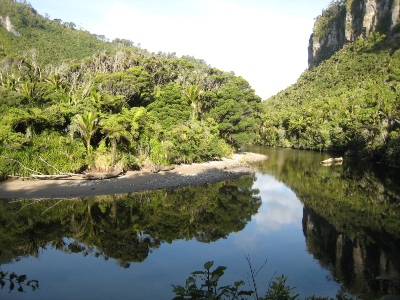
(86, 125)
(55, 81)
(122, 125)
(296, 125)
(193, 94)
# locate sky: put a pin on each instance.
(264, 41)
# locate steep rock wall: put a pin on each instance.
(345, 21)
(6, 23)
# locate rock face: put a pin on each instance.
(6, 23)
(344, 21)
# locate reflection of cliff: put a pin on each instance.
(359, 198)
(353, 262)
(126, 227)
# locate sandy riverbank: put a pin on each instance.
(133, 181)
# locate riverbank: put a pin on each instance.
(134, 181)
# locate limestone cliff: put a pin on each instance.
(6, 23)
(346, 20)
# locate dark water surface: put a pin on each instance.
(327, 228)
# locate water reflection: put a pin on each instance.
(311, 222)
(126, 227)
(354, 262)
(351, 217)
(280, 205)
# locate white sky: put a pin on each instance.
(264, 41)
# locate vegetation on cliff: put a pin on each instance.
(350, 102)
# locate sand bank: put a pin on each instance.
(133, 181)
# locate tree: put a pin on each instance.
(87, 125)
(55, 81)
(193, 95)
(122, 125)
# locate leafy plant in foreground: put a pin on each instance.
(209, 288)
(14, 279)
(279, 290)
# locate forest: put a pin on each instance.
(78, 102)
(71, 100)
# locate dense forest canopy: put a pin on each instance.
(78, 101)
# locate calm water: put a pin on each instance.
(327, 228)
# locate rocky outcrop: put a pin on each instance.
(6, 23)
(343, 22)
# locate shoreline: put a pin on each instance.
(133, 181)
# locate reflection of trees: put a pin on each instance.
(351, 217)
(207, 213)
(358, 198)
(353, 262)
(126, 227)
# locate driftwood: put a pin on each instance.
(73, 176)
(66, 176)
(47, 177)
(94, 176)
(157, 168)
(331, 161)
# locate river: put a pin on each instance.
(329, 229)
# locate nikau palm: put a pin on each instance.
(193, 94)
(86, 125)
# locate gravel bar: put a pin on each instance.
(133, 181)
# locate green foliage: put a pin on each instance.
(59, 150)
(170, 108)
(86, 125)
(278, 290)
(123, 102)
(193, 94)
(349, 102)
(236, 109)
(326, 21)
(191, 142)
(55, 42)
(134, 84)
(209, 288)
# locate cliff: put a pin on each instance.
(6, 23)
(346, 20)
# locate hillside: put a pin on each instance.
(25, 32)
(348, 103)
(70, 102)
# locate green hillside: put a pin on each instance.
(51, 41)
(77, 102)
(349, 103)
